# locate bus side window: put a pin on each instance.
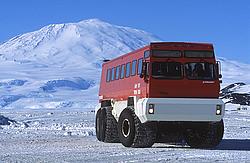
(108, 75)
(113, 74)
(133, 72)
(139, 69)
(146, 54)
(127, 69)
(122, 71)
(117, 72)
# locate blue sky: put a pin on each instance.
(226, 23)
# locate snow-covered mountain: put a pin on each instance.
(81, 44)
(236, 93)
(236, 82)
(59, 65)
(234, 71)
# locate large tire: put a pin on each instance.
(100, 124)
(133, 133)
(111, 134)
(207, 135)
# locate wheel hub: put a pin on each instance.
(125, 128)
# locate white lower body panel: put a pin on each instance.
(179, 109)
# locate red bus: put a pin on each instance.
(163, 92)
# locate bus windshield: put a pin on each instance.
(200, 71)
(167, 70)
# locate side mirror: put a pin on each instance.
(218, 68)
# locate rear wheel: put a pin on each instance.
(111, 133)
(100, 124)
(133, 133)
(206, 135)
(106, 126)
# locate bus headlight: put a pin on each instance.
(151, 108)
(218, 109)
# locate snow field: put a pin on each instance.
(68, 135)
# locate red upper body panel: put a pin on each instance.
(183, 87)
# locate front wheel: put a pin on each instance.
(205, 135)
(133, 133)
(126, 128)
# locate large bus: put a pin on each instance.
(163, 92)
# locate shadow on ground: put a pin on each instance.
(226, 144)
(234, 144)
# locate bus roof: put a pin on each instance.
(157, 45)
(181, 44)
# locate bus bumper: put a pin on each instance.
(180, 109)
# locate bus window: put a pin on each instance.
(199, 54)
(166, 53)
(167, 70)
(117, 72)
(122, 71)
(113, 74)
(146, 54)
(200, 71)
(133, 72)
(127, 69)
(108, 75)
(139, 69)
